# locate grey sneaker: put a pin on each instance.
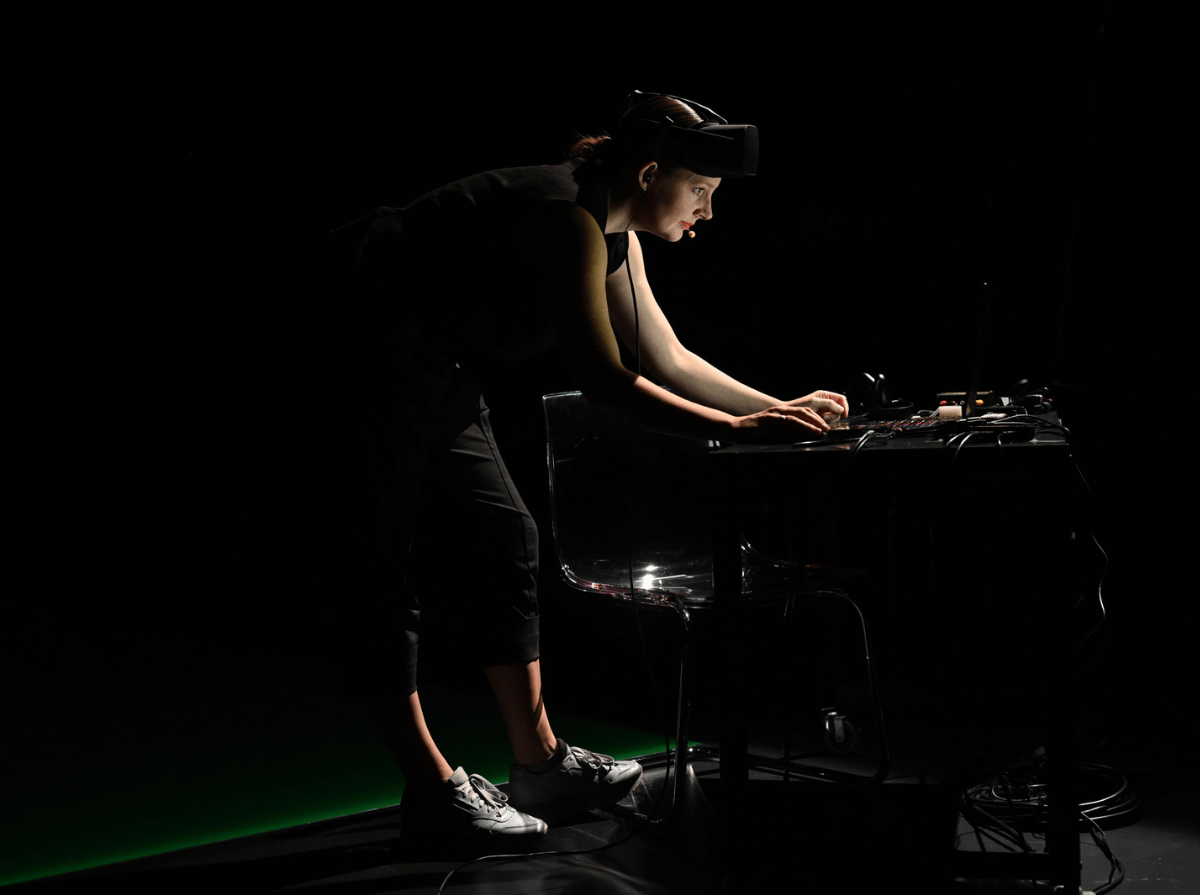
(466, 806)
(575, 780)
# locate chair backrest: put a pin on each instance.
(619, 493)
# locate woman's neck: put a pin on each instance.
(622, 204)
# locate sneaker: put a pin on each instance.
(466, 806)
(572, 780)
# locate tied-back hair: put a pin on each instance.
(656, 108)
(585, 146)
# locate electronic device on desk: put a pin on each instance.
(957, 412)
(1022, 397)
(983, 402)
(882, 412)
(917, 425)
(1006, 418)
(1002, 428)
(871, 392)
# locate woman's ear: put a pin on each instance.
(646, 175)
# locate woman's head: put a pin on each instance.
(665, 159)
(641, 134)
(675, 133)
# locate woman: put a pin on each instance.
(494, 267)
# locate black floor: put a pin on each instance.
(816, 836)
(820, 837)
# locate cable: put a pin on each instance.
(672, 765)
(1116, 867)
(637, 339)
(869, 436)
(962, 438)
(1016, 798)
(1103, 571)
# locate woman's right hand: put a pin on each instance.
(779, 425)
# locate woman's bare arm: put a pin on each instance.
(683, 370)
(567, 246)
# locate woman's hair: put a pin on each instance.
(656, 108)
(584, 146)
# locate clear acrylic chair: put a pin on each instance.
(620, 494)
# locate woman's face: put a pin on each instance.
(674, 201)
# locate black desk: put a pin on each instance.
(931, 481)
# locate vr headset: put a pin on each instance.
(711, 147)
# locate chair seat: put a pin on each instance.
(689, 578)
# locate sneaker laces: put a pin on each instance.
(594, 760)
(485, 791)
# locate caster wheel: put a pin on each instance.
(841, 737)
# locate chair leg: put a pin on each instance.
(681, 713)
(885, 758)
(681, 751)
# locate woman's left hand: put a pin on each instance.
(827, 405)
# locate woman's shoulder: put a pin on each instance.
(530, 183)
(560, 228)
(504, 191)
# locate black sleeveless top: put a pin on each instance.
(446, 261)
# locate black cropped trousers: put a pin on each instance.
(417, 460)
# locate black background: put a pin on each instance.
(180, 169)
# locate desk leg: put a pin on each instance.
(1062, 755)
(732, 730)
